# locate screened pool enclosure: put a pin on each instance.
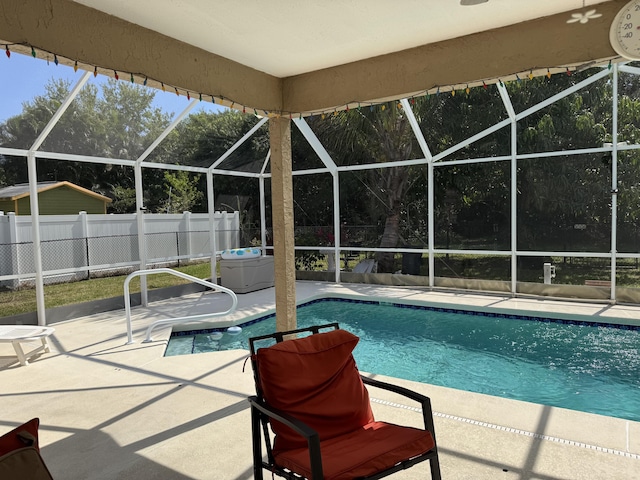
(527, 186)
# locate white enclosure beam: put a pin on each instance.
(169, 166)
(506, 100)
(263, 204)
(422, 142)
(554, 98)
(212, 228)
(35, 235)
(622, 67)
(373, 166)
(18, 152)
(70, 157)
(471, 139)
(140, 209)
(142, 243)
(614, 183)
(431, 222)
(312, 139)
(33, 199)
(263, 217)
(337, 227)
(328, 162)
(235, 146)
(502, 158)
(237, 174)
(63, 108)
(413, 122)
(167, 131)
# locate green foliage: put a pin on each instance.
(182, 192)
(124, 199)
(309, 259)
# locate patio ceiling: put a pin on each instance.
(310, 56)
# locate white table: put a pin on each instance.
(16, 334)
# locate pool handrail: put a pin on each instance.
(170, 321)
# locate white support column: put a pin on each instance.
(514, 208)
(614, 184)
(142, 241)
(422, 142)
(33, 192)
(514, 184)
(212, 228)
(35, 232)
(328, 162)
(140, 208)
(431, 222)
(336, 222)
(263, 217)
(263, 205)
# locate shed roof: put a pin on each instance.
(16, 192)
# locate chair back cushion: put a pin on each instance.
(19, 454)
(26, 435)
(314, 379)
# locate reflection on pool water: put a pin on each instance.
(589, 367)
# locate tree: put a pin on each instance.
(116, 122)
(124, 199)
(375, 135)
(182, 192)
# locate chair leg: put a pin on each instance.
(434, 464)
(257, 444)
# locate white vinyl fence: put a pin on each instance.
(76, 247)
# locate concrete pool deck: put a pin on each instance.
(110, 410)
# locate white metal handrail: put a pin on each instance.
(171, 321)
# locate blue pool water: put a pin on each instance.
(591, 368)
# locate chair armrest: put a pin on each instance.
(427, 413)
(396, 389)
(312, 437)
(299, 427)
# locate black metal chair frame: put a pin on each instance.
(262, 413)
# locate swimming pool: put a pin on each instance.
(571, 364)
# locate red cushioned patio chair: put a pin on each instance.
(311, 395)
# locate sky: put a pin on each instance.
(23, 77)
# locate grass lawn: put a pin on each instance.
(13, 302)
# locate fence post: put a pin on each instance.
(84, 231)
(187, 227)
(224, 223)
(231, 236)
(235, 227)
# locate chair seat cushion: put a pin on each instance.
(370, 449)
(314, 379)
